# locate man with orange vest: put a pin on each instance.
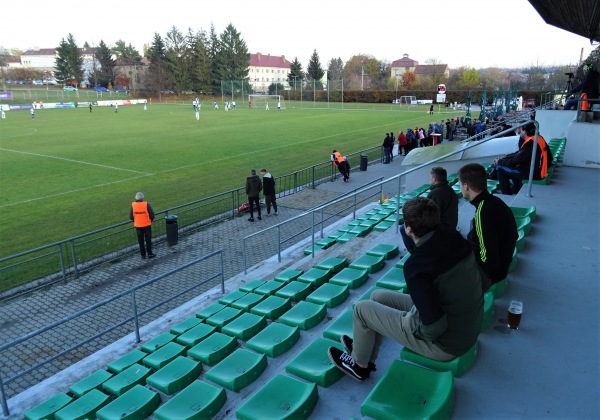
(342, 164)
(514, 168)
(142, 214)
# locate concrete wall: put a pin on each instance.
(583, 146)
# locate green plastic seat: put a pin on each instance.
(288, 275)
(269, 288)
(326, 242)
(350, 277)
(514, 262)
(224, 317)
(185, 325)
(214, 349)
(282, 397)
(83, 408)
(238, 370)
(520, 240)
(251, 285)
(137, 403)
(124, 381)
(361, 230)
(313, 364)
(369, 223)
(198, 401)
(489, 310)
(232, 297)
(367, 294)
(248, 302)
(378, 217)
(164, 355)
(295, 290)
(383, 225)
(304, 315)
(499, 288)
(315, 276)
(386, 251)
(196, 335)
(47, 409)
(210, 310)
(392, 218)
(93, 381)
(525, 212)
(176, 375)
(272, 307)
(400, 264)
(368, 262)
(330, 295)
(309, 250)
(524, 224)
(342, 239)
(333, 264)
(348, 227)
(122, 363)
(158, 341)
(341, 325)
(429, 396)
(458, 366)
(245, 326)
(393, 280)
(274, 340)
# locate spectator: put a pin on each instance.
(441, 316)
(269, 191)
(493, 233)
(386, 147)
(342, 164)
(142, 214)
(451, 129)
(513, 168)
(442, 194)
(402, 144)
(392, 138)
(589, 88)
(253, 189)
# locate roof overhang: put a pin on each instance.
(581, 17)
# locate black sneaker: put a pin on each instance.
(347, 342)
(151, 255)
(251, 219)
(345, 363)
(143, 257)
(259, 218)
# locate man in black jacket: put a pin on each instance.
(269, 191)
(493, 234)
(253, 189)
(589, 85)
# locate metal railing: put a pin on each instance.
(77, 321)
(76, 255)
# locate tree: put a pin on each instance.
(314, 70)
(200, 61)
(126, 54)
(178, 59)
(213, 51)
(68, 63)
(158, 76)
(296, 73)
(232, 58)
(360, 71)
(106, 64)
(335, 70)
(409, 79)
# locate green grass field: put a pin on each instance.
(70, 171)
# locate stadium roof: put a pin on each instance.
(581, 17)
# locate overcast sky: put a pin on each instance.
(475, 33)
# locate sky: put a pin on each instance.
(473, 33)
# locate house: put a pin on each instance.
(405, 64)
(42, 59)
(433, 70)
(263, 70)
(401, 66)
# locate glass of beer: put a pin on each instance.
(515, 310)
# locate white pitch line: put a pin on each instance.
(74, 161)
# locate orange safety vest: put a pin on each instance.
(141, 217)
(337, 158)
(544, 157)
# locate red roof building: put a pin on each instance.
(264, 70)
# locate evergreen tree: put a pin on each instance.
(335, 70)
(214, 47)
(126, 54)
(314, 70)
(296, 74)
(178, 59)
(200, 61)
(232, 58)
(106, 64)
(69, 63)
(158, 76)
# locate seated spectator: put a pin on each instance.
(493, 233)
(513, 168)
(440, 318)
(588, 87)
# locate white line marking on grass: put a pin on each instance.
(74, 161)
(71, 191)
(33, 131)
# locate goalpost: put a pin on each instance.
(261, 101)
(408, 100)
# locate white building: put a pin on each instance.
(263, 70)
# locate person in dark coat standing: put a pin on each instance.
(269, 191)
(253, 189)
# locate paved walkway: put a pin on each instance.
(25, 314)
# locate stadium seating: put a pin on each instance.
(137, 403)
(198, 400)
(313, 364)
(47, 409)
(238, 370)
(458, 366)
(84, 407)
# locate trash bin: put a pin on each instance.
(364, 162)
(172, 230)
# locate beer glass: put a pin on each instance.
(515, 310)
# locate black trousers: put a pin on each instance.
(252, 201)
(144, 235)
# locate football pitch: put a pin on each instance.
(71, 171)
